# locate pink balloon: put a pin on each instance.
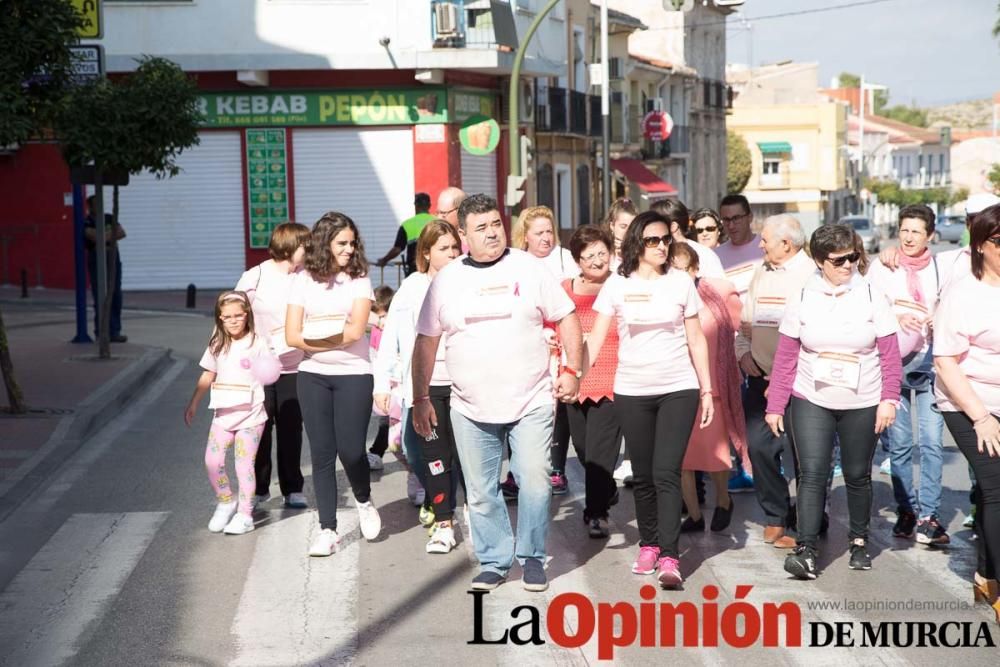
(909, 341)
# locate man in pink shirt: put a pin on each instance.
(741, 254)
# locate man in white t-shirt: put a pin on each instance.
(491, 304)
(741, 254)
(680, 219)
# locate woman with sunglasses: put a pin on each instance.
(706, 228)
(661, 380)
(967, 360)
(837, 371)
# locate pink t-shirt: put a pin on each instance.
(838, 366)
(895, 287)
(268, 288)
(653, 357)
(967, 326)
(234, 366)
(740, 262)
(495, 353)
(326, 300)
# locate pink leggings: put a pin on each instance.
(219, 442)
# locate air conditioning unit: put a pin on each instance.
(616, 69)
(446, 19)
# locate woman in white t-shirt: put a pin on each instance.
(328, 310)
(662, 378)
(267, 285)
(837, 371)
(967, 360)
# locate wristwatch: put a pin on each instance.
(572, 371)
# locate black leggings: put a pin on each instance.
(657, 430)
(560, 438)
(597, 438)
(987, 490)
(440, 457)
(281, 401)
(335, 411)
(811, 430)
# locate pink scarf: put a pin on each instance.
(726, 374)
(913, 265)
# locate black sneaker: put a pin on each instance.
(906, 521)
(860, 560)
(487, 581)
(722, 516)
(801, 563)
(598, 528)
(533, 578)
(930, 532)
(689, 525)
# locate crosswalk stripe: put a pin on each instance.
(295, 609)
(53, 602)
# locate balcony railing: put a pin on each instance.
(467, 23)
(678, 143)
(558, 116)
(773, 181)
(596, 119)
(577, 112)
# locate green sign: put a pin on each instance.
(479, 135)
(340, 107)
(267, 183)
(468, 103)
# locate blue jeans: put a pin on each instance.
(411, 447)
(481, 449)
(930, 426)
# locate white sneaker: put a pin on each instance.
(223, 513)
(325, 544)
(371, 522)
(623, 472)
(296, 501)
(239, 525)
(375, 462)
(258, 500)
(414, 491)
(886, 467)
(442, 541)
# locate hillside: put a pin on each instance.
(971, 115)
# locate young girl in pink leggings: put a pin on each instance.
(237, 365)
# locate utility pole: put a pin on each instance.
(861, 144)
(605, 111)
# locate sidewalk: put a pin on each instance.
(163, 300)
(70, 393)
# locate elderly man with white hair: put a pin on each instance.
(785, 270)
(447, 204)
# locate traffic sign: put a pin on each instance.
(88, 62)
(92, 12)
(657, 125)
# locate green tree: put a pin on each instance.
(880, 98)
(740, 164)
(904, 114)
(994, 177)
(34, 64)
(143, 122)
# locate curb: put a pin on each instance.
(74, 430)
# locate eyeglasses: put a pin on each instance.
(654, 241)
(441, 214)
(595, 257)
(711, 229)
(233, 318)
(995, 240)
(840, 261)
(735, 218)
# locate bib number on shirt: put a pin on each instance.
(277, 341)
(768, 311)
(490, 302)
(740, 273)
(913, 308)
(318, 327)
(641, 308)
(838, 369)
(224, 396)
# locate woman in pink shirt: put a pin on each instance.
(328, 311)
(837, 371)
(662, 377)
(967, 360)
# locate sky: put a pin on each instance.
(929, 52)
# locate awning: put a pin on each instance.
(773, 147)
(648, 182)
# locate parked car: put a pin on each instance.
(949, 228)
(866, 230)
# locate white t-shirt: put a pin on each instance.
(268, 288)
(740, 262)
(560, 264)
(496, 353)
(709, 264)
(653, 357)
(838, 327)
(954, 264)
(893, 284)
(967, 325)
(327, 306)
(233, 366)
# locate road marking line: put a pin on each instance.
(61, 594)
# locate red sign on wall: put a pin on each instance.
(657, 125)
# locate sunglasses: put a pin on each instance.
(711, 229)
(654, 241)
(840, 261)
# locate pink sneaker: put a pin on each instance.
(669, 572)
(646, 562)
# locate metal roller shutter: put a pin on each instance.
(186, 229)
(479, 173)
(366, 174)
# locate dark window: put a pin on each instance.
(546, 196)
(583, 191)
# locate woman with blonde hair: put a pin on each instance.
(535, 231)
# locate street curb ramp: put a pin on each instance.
(74, 430)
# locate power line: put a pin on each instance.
(800, 12)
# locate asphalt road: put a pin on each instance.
(110, 563)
